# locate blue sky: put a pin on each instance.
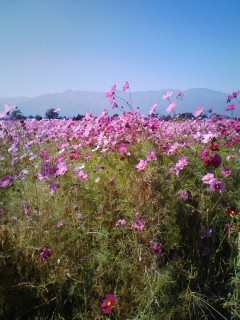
(49, 46)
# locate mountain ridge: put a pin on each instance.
(73, 102)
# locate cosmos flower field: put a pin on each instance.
(129, 217)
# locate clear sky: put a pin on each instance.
(49, 46)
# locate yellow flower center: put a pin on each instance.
(109, 303)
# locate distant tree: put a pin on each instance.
(17, 114)
(30, 117)
(186, 115)
(50, 114)
(166, 118)
(78, 117)
(37, 117)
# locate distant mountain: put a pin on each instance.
(79, 102)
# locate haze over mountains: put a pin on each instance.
(79, 102)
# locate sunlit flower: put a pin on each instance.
(8, 108)
(108, 303)
(171, 106)
(208, 178)
(141, 165)
(167, 95)
(198, 111)
(152, 109)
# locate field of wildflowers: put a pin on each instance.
(129, 217)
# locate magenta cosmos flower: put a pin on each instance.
(45, 253)
(151, 155)
(141, 165)
(139, 224)
(183, 195)
(217, 185)
(230, 107)
(126, 86)
(156, 248)
(226, 172)
(108, 303)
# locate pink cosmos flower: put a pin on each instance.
(59, 224)
(171, 106)
(198, 111)
(217, 185)
(108, 303)
(6, 181)
(139, 224)
(25, 207)
(53, 187)
(156, 248)
(62, 169)
(208, 178)
(230, 107)
(167, 95)
(179, 95)
(8, 108)
(229, 98)
(182, 162)
(126, 86)
(230, 156)
(97, 179)
(141, 165)
(151, 155)
(205, 153)
(235, 94)
(120, 222)
(152, 109)
(82, 175)
(122, 148)
(226, 172)
(183, 195)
